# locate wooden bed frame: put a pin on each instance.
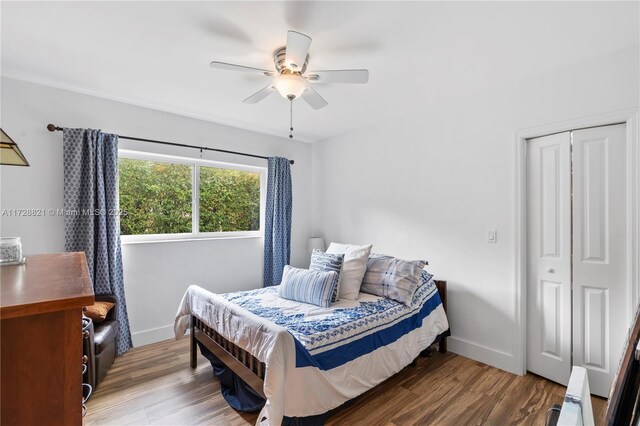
(245, 365)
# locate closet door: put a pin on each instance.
(549, 256)
(600, 317)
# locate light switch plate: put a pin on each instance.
(492, 236)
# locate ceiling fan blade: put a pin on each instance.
(260, 95)
(313, 98)
(297, 50)
(339, 76)
(234, 67)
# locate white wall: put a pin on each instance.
(156, 274)
(431, 183)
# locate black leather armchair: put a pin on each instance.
(100, 347)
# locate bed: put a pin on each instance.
(306, 360)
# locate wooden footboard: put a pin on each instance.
(244, 364)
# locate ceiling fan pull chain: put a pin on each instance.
(291, 119)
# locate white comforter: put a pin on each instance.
(325, 379)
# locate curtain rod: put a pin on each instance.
(53, 128)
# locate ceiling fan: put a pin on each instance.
(291, 78)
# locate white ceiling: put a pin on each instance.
(157, 53)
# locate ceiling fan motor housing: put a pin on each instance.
(279, 57)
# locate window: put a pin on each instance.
(156, 197)
(165, 197)
(229, 200)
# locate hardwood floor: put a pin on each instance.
(155, 385)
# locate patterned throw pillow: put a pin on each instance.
(303, 285)
(391, 277)
(321, 261)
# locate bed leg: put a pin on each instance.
(426, 353)
(442, 290)
(193, 361)
(442, 345)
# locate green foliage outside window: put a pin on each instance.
(229, 200)
(156, 198)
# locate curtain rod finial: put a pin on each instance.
(51, 127)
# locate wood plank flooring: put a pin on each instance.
(155, 385)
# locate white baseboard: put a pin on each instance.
(493, 357)
(152, 335)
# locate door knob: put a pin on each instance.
(550, 270)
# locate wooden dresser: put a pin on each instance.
(41, 339)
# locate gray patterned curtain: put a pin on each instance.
(92, 224)
(277, 229)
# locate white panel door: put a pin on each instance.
(600, 320)
(549, 256)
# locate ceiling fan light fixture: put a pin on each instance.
(290, 85)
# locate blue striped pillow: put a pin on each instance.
(321, 261)
(303, 285)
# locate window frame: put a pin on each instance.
(195, 164)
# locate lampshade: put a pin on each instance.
(290, 86)
(316, 243)
(10, 154)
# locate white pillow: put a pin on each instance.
(353, 268)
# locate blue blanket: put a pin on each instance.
(326, 338)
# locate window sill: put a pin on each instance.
(125, 241)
